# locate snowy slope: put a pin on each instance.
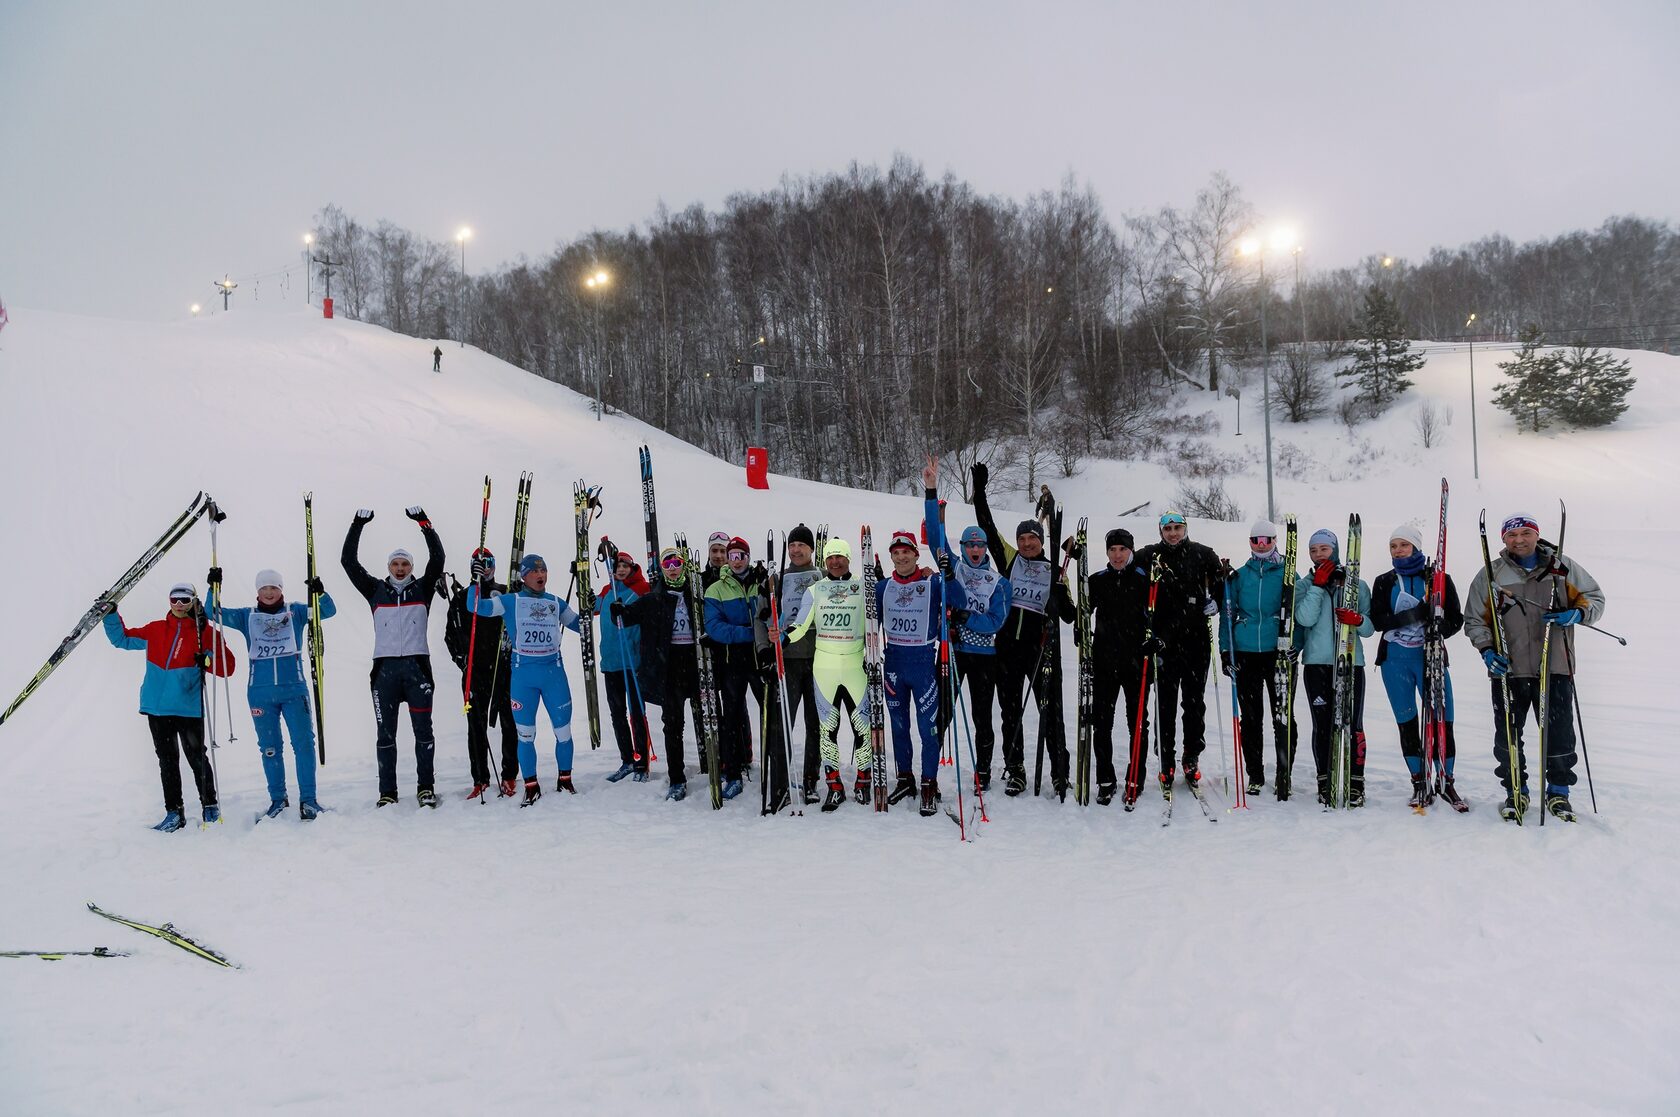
(615, 953)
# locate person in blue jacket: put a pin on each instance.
(1319, 615)
(1248, 646)
(621, 659)
(532, 618)
(179, 649)
(974, 626)
(277, 689)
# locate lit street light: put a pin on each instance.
(598, 283)
(1280, 238)
(461, 300)
(194, 309)
(1475, 452)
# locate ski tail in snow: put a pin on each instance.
(168, 934)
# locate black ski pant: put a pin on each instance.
(978, 674)
(772, 736)
(800, 693)
(1182, 677)
(1559, 737)
(1320, 680)
(736, 674)
(1257, 680)
(171, 736)
(681, 688)
(478, 724)
(629, 719)
(396, 680)
(1114, 678)
(1021, 668)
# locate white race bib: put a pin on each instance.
(272, 635)
(536, 628)
(906, 613)
(1030, 581)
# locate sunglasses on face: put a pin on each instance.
(180, 601)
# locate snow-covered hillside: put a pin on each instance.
(615, 953)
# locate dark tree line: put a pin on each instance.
(900, 316)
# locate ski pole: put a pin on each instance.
(1581, 725)
(1622, 640)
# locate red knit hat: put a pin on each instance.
(738, 544)
(903, 539)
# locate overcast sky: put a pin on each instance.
(147, 148)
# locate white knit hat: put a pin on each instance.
(1411, 533)
(399, 553)
(270, 578)
(1262, 529)
(183, 588)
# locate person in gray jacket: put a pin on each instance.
(1317, 617)
(1535, 588)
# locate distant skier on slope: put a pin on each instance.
(669, 673)
(437, 358)
(533, 618)
(1524, 574)
(1189, 594)
(1317, 616)
(1400, 611)
(276, 688)
(179, 649)
(834, 610)
(402, 660)
(1248, 646)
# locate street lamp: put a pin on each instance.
(308, 272)
(598, 284)
(1475, 452)
(194, 309)
(1252, 246)
(461, 238)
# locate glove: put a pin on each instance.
(313, 585)
(479, 570)
(945, 563)
(766, 661)
(1321, 574)
(1153, 646)
(1563, 618)
(418, 515)
(363, 515)
(1070, 548)
(1350, 617)
(1211, 608)
(214, 578)
(959, 617)
(1225, 667)
(980, 474)
(879, 573)
(616, 612)
(1497, 665)
(106, 608)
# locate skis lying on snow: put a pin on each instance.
(169, 935)
(59, 955)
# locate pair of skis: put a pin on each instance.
(872, 671)
(586, 502)
(1346, 739)
(166, 932)
(708, 713)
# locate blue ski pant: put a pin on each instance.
(911, 678)
(545, 681)
(1403, 678)
(270, 706)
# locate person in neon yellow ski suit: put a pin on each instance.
(833, 607)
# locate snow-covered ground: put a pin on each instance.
(614, 953)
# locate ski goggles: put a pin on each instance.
(671, 562)
(1262, 539)
(1169, 519)
(180, 600)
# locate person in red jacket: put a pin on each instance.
(179, 649)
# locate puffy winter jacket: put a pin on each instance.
(732, 605)
(1315, 622)
(663, 621)
(1525, 596)
(273, 670)
(1255, 593)
(1191, 576)
(1120, 608)
(173, 681)
(618, 653)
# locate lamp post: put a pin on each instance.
(194, 309)
(308, 272)
(1252, 246)
(598, 284)
(461, 238)
(1475, 452)
(225, 286)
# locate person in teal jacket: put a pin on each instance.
(1248, 646)
(1318, 617)
(179, 649)
(621, 658)
(277, 689)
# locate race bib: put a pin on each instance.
(682, 622)
(1030, 581)
(536, 631)
(272, 635)
(905, 613)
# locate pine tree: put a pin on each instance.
(1382, 354)
(1532, 389)
(1594, 386)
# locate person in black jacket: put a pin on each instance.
(1120, 615)
(492, 668)
(1189, 594)
(668, 674)
(1400, 610)
(402, 660)
(1026, 643)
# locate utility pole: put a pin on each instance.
(327, 267)
(225, 286)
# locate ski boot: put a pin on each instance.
(905, 788)
(1324, 792)
(533, 791)
(1283, 787)
(1255, 787)
(1421, 796)
(732, 788)
(309, 809)
(426, 797)
(779, 801)
(639, 776)
(676, 793)
(564, 783)
(1513, 809)
(507, 789)
(1059, 787)
(277, 808)
(1192, 776)
(1014, 781)
(860, 789)
(478, 791)
(1165, 779)
(983, 781)
(1449, 794)
(930, 798)
(172, 821)
(1557, 805)
(836, 792)
(809, 796)
(1356, 791)
(212, 815)
(386, 801)
(1105, 793)
(623, 770)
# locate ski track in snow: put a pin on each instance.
(611, 952)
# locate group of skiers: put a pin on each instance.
(796, 636)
